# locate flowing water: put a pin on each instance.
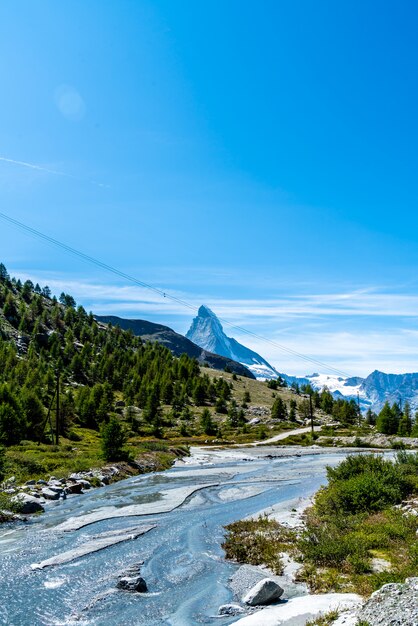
(183, 562)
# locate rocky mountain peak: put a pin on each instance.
(205, 311)
(207, 332)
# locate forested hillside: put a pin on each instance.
(42, 337)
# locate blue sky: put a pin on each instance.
(259, 157)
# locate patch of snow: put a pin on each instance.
(297, 611)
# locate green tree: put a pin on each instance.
(4, 275)
(34, 412)
(279, 409)
(371, 417)
(233, 414)
(206, 423)
(405, 421)
(113, 440)
(386, 422)
(327, 401)
(2, 463)
(292, 412)
(12, 418)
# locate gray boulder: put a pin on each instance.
(28, 504)
(55, 488)
(84, 483)
(230, 609)
(49, 494)
(74, 488)
(132, 583)
(264, 592)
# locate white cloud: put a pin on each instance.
(309, 324)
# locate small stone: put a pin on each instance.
(55, 488)
(230, 609)
(132, 583)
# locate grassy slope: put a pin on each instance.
(30, 460)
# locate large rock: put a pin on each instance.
(49, 494)
(74, 488)
(28, 504)
(264, 592)
(132, 583)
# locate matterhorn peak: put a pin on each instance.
(207, 332)
(205, 311)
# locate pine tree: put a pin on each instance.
(405, 422)
(113, 440)
(386, 422)
(207, 423)
(279, 409)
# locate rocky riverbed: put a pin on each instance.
(165, 528)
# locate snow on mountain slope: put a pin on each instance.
(349, 388)
(207, 332)
(336, 383)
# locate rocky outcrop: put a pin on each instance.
(395, 604)
(264, 592)
(370, 441)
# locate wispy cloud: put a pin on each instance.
(362, 302)
(41, 168)
(326, 327)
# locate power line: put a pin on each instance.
(89, 259)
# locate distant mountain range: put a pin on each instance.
(372, 391)
(207, 342)
(206, 331)
(176, 343)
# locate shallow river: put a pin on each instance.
(183, 563)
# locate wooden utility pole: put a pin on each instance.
(311, 412)
(57, 424)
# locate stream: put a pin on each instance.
(171, 521)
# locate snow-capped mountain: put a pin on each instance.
(372, 391)
(207, 332)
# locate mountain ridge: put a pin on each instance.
(176, 343)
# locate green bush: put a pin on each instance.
(367, 483)
(365, 492)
